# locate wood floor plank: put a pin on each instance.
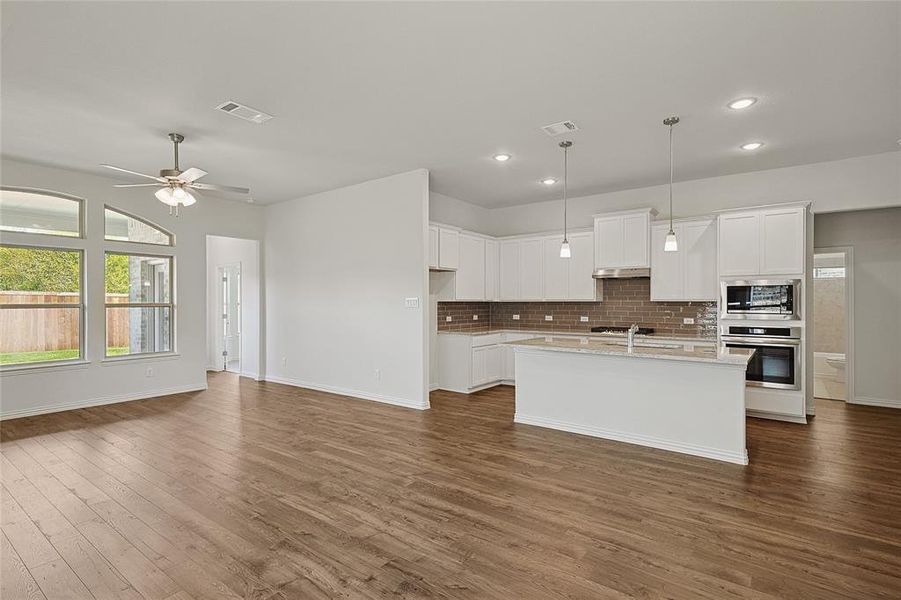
(24, 536)
(15, 580)
(266, 491)
(59, 582)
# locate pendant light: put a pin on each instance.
(565, 251)
(671, 245)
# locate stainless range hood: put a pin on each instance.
(621, 273)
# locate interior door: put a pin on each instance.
(230, 294)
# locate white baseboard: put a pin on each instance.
(760, 414)
(42, 410)
(471, 390)
(869, 401)
(252, 375)
(433, 387)
(740, 458)
(348, 392)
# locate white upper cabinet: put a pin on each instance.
(689, 274)
(556, 270)
(621, 239)
(530, 271)
(582, 286)
(782, 241)
(433, 246)
(470, 276)
(492, 274)
(448, 248)
(767, 241)
(509, 270)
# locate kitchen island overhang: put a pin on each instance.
(682, 397)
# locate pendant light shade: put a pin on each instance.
(671, 244)
(565, 251)
(166, 196)
(175, 196)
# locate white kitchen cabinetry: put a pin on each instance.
(569, 278)
(520, 269)
(470, 276)
(492, 273)
(433, 246)
(448, 248)
(766, 241)
(467, 363)
(556, 270)
(509, 269)
(621, 239)
(689, 274)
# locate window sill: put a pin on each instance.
(112, 360)
(46, 367)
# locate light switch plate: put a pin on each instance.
(583, 319)
(688, 321)
(516, 317)
(411, 302)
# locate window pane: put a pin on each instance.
(131, 278)
(123, 228)
(39, 276)
(29, 335)
(34, 212)
(137, 330)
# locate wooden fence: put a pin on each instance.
(42, 329)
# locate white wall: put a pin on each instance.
(451, 211)
(875, 236)
(338, 266)
(851, 184)
(221, 251)
(99, 381)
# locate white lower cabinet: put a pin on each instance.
(467, 363)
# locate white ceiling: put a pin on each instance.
(361, 91)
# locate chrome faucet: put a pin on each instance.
(631, 336)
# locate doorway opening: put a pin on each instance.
(832, 324)
(229, 343)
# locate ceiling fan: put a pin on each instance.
(176, 186)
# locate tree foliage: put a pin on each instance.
(116, 274)
(41, 270)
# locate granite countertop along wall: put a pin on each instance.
(626, 301)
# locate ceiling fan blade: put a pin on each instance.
(130, 185)
(192, 174)
(160, 179)
(220, 188)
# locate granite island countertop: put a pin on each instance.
(661, 337)
(643, 348)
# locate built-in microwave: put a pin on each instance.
(768, 299)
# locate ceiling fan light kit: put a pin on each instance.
(176, 186)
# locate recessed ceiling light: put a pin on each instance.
(752, 146)
(741, 103)
(502, 157)
(549, 181)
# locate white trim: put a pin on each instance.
(471, 390)
(254, 376)
(762, 414)
(349, 392)
(869, 401)
(43, 367)
(139, 357)
(28, 412)
(848, 251)
(433, 387)
(631, 438)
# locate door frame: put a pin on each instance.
(220, 339)
(848, 252)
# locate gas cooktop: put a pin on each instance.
(621, 329)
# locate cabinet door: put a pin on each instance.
(635, 241)
(782, 241)
(494, 363)
(530, 269)
(479, 372)
(433, 247)
(508, 367)
(470, 276)
(739, 244)
(509, 269)
(666, 267)
(699, 265)
(556, 269)
(448, 248)
(491, 270)
(582, 286)
(608, 242)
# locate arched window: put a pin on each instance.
(38, 211)
(119, 226)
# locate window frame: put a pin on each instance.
(147, 222)
(38, 191)
(81, 306)
(170, 305)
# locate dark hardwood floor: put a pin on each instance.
(259, 490)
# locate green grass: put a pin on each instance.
(24, 358)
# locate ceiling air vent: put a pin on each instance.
(559, 128)
(244, 112)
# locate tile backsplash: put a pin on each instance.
(626, 301)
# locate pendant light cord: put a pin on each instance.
(565, 177)
(671, 176)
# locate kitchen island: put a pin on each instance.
(676, 396)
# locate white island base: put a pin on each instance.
(690, 406)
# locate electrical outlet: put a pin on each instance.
(377, 373)
(583, 319)
(516, 317)
(148, 372)
(475, 317)
(548, 317)
(448, 318)
(688, 321)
